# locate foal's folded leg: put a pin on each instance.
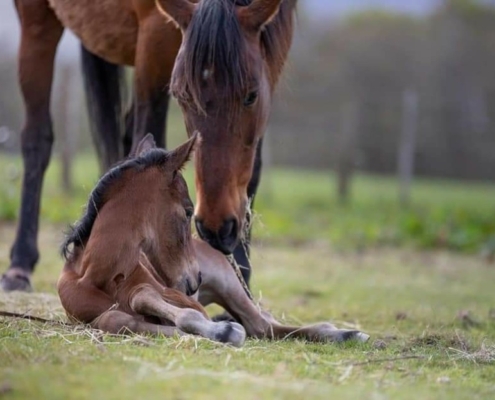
(86, 303)
(222, 286)
(119, 322)
(146, 300)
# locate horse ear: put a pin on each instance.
(145, 144)
(180, 12)
(258, 14)
(182, 154)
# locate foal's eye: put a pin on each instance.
(251, 98)
(189, 213)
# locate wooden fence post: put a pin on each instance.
(346, 149)
(68, 109)
(407, 145)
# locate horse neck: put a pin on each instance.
(166, 255)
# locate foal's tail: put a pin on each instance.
(104, 85)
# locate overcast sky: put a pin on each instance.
(319, 9)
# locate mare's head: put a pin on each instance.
(144, 204)
(224, 75)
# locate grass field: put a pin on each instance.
(430, 313)
(297, 206)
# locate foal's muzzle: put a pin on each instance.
(225, 240)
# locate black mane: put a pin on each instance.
(79, 233)
(214, 40)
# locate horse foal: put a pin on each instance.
(132, 265)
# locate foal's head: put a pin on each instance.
(223, 79)
(166, 209)
(143, 203)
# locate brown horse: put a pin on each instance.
(228, 56)
(132, 258)
(134, 262)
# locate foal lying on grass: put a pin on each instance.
(135, 267)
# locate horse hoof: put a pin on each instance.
(358, 336)
(362, 337)
(231, 333)
(15, 280)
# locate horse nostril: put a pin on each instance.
(202, 232)
(200, 279)
(228, 229)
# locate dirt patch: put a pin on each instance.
(42, 305)
(456, 341)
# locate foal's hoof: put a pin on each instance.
(230, 332)
(15, 279)
(344, 336)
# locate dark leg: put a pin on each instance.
(241, 252)
(129, 128)
(104, 86)
(150, 115)
(152, 77)
(41, 32)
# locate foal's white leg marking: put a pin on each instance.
(148, 301)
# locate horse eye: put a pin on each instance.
(251, 98)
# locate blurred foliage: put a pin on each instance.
(371, 59)
(300, 206)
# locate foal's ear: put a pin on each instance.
(145, 144)
(180, 12)
(258, 14)
(182, 154)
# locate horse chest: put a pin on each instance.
(107, 28)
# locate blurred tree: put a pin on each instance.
(449, 59)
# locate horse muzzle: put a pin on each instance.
(225, 239)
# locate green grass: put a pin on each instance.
(415, 305)
(303, 204)
(428, 311)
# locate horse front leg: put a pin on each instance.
(146, 300)
(222, 286)
(40, 34)
(155, 60)
(242, 251)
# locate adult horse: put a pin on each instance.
(221, 59)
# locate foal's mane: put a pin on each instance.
(79, 233)
(215, 41)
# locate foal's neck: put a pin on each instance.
(157, 238)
